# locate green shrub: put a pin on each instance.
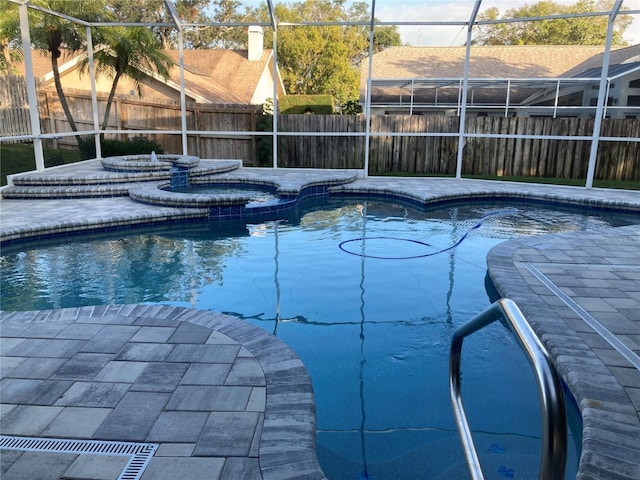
(351, 107)
(20, 157)
(264, 143)
(53, 158)
(115, 148)
(301, 104)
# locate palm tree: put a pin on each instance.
(132, 52)
(52, 34)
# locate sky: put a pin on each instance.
(460, 10)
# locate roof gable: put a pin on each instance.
(41, 63)
(216, 76)
(619, 56)
(226, 75)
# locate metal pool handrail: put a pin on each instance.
(554, 426)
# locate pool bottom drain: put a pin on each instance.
(139, 454)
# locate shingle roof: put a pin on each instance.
(41, 64)
(614, 70)
(526, 61)
(618, 56)
(220, 76)
(434, 64)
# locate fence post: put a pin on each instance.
(120, 117)
(196, 126)
(52, 124)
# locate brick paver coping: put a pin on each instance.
(221, 398)
(580, 292)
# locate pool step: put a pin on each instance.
(60, 183)
(60, 178)
(101, 178)
(65, 191)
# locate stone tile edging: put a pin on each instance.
(611, 426)
(288, 443)
(287, 447)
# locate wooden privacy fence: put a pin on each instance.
(14, 106)
(137, 115)
(616, 160)
(389, 150)
(437, 154)
(307, 151)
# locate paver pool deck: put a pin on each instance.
(215, 397)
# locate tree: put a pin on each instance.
(565, 31)
(209, 36)
(130, 52)
(10, 44)
(144, 11)
(189, 11)
(53, 34)
(324, 59)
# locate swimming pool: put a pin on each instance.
(374, 333)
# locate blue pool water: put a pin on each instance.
(368, 293)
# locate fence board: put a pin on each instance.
(14, 106)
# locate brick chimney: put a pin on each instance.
(256, 41)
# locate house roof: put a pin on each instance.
(523, 61)
(41, 64)
(614, 71)
(222, 76)
(216, 76)
(618, 56)
(418, 71)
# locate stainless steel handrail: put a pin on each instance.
(554, 425)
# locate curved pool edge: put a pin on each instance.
(287, 184)
(436, 191)
(43, 218)
(145, 162)
(288, 440)
(596, 373)
(286, 433)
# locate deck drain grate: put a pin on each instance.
(139, 453)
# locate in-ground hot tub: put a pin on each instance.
(148, 163)
(225, 201)
(269, 195)
(177, 165)
(256, 193)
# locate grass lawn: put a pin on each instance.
(19, 157)
(580, 182)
